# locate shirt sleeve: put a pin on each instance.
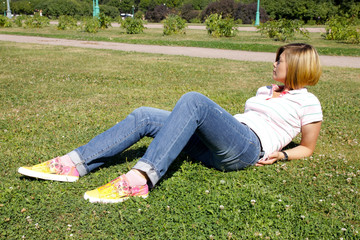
(312, 111)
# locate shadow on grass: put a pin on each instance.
(133, 154)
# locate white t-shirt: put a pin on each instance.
(277, 121)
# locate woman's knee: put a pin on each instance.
(140, 114)
(192, 95)
(150, 114)
(193, 98)
(141, 111)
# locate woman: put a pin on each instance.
(206, 132)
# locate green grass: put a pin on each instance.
(250, 41)
(54, 99)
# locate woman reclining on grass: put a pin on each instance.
(206, 132)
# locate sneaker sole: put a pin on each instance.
(47, 176)
(99, 200)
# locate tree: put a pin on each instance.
(319, 10)
(124, 6)
(22, 7)
(247, 13)
(110, 11)
(56, 8)
(223, 7)
(197, 4)
(146, 5)
(188, 12)
(159, 13)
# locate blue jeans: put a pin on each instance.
(197, 126)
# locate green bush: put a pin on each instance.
(5, 22)
(19, 20)
(118, 19)
(342, 29)
(283, 29)
(104, 21)
(67, 22)
(90, 25)
(36, 21)
(220, 27)
(311, 22)
(195, 20)
(174, 24)
(140, 15)
(238, 22)
(133, 25)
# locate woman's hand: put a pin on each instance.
(309, 135)
(273, 158)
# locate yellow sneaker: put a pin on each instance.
(51, 170)
(118, 190)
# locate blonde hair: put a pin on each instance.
(303, 65)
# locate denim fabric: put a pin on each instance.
(197, 126)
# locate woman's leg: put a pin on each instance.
(141, 122)
(207, 132)
(198, 126)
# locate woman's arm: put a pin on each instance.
(309, 135)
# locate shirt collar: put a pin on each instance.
(298, 91)
(295, 91)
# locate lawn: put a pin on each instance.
(250, 41)
(54, 99)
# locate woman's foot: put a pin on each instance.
(118, 190)
(57, 169)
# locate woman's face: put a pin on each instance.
(280, 69)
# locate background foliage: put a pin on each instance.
(156, 10)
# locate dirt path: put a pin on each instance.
(353, 62)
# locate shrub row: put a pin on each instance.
(35, 21)
(238, 11)
(5, 22)
(342, 29)
(337, 28)
(283, 29)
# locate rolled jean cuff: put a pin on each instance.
(150, 171)
(79, 164)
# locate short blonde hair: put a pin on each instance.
(303, 65)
